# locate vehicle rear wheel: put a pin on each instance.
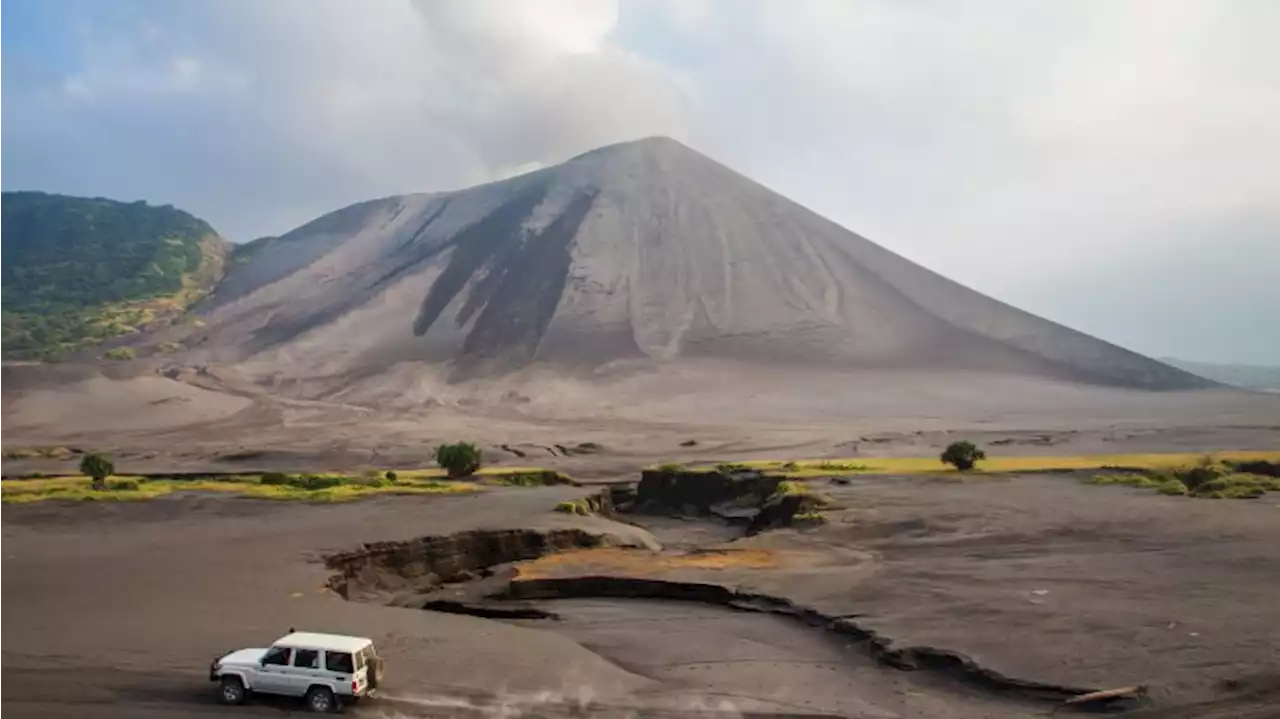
(320, 700)
(232, 691)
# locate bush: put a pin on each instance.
(458, 460)
(1235, 486)
(390, 476)
(315, 481)
(540, 478)
(962, 455)
(99, 468)
(787, 487)
(119, 353)
(1172, 487)
(275, 478)
(574, 507)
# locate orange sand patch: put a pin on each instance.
(616, 560)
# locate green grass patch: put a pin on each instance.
(993, 464)
(312, 488)
(541, 478)
(1209, 477)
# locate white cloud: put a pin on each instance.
(1026, 149)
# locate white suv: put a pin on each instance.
(325, 669)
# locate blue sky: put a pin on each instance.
(1108, 164)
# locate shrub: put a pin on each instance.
(789, 467)
(1198, 475)
(123, 485)
(1234, 486)
(962, 455)
(390, 476)
(99, 468)
(275, 478)
(787, 487)
(119, 353)
(1172, 487)
(809, 519)
(573, 507)
(316, 481)
(540, 478)
(461, 459)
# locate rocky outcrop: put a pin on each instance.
(426, 563)
(788, 509)
(749, 497)
(727, 494)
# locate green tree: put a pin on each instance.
(97, 467)
(962, 455)
(461, 459)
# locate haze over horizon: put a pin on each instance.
(1110, 166)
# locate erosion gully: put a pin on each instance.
(747, 648)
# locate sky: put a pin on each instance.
(1113, 165)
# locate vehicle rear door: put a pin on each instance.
(306, 670)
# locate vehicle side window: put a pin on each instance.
(339, 662)
(307, 659)
(278, 656)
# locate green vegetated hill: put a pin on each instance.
(78, 271)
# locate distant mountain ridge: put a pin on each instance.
(78, 271)
(1255, 377)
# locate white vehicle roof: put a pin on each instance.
(313, 640)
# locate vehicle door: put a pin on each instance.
(305, 671)
(272, 676)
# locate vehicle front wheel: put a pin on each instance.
(232, 691)
(320, 700)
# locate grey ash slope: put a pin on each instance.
(645, 250)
